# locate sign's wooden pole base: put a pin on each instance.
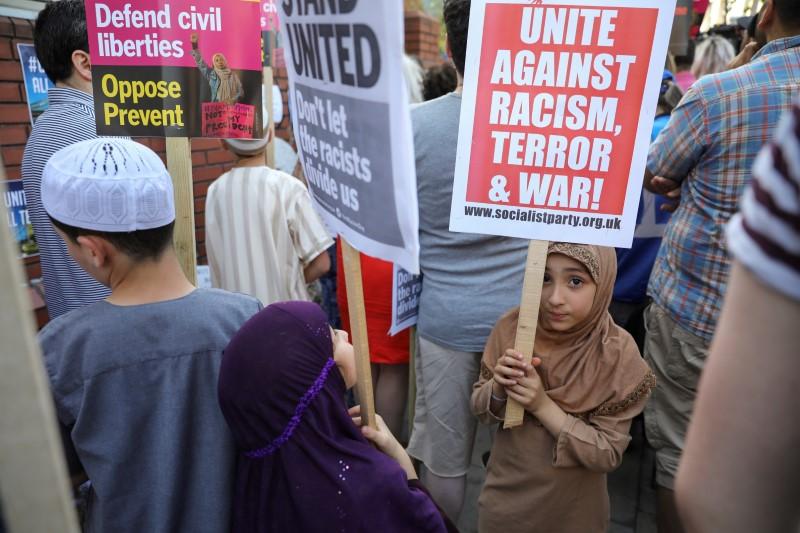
(358, 325)
(528, 317)
(33, 475)
(179, 164)
(270, 150)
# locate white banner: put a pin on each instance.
(351, 122)
(406, 288)
(559, 101)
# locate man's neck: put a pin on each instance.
(76, 84)
(252, 161)
(780, 33)
(147, 282)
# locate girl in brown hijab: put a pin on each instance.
(580, 392)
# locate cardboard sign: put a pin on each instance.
(158, 64)
(559, 100)
(406, 288)
(351, 121)
(19, 221)
(36, 81)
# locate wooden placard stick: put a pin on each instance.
(358, 325)
(179, 164)
(34, 484)
(528, 317)
(268, 80)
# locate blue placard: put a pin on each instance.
(18, 219)
(36, 81)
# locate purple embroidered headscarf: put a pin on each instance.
(303, 465)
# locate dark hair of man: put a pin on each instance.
(438, 81)
(141, 245)
(788, 12)
(60, 30)
(456, 21)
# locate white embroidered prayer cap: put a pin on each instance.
(108, 184)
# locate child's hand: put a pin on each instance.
(528, 389)
(512, 367)
(382, 438)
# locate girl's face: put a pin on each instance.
(567, 294)
(344, 356)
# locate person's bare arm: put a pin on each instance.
(666, 187)
(740, 467)
(317, 268)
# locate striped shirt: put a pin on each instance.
(261, 231)
(709, 145)
(69, 119)
(765, 236)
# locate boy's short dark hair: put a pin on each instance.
(60, 30)
(788, 12)
(140, 245)
(456, 21)
(438, 81)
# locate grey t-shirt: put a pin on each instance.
(469, 280)
(137, 385)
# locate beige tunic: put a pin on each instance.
(261, 231)
(538, 484)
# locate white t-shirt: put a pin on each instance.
(261, 231)
(765, 235)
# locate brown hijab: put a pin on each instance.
(596, 368)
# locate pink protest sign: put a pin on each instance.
(269, 16)
(158, 63)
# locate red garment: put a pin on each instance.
(376, 276)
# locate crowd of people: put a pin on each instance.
(227, 409)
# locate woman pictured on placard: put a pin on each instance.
(223, 82)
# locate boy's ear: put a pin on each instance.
(82, 65)
(766, 15)
(96, 250)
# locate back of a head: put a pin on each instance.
(456, 21)
(712, 56)
(438, 81)
(60, 29)
(247, 147)
(113, 188)
(788, 12)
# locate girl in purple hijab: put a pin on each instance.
(304, 465)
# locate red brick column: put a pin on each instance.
(422, 37)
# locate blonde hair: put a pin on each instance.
(712, 55)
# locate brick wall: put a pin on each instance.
(209, 159)
(422, 37)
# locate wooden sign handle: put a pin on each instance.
(270, 149)
(34, 484)
(179, 164)
(528, 317)
(358, 325)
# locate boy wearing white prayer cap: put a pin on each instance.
(134, 376)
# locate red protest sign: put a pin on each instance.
(556, 118)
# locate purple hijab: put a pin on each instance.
(303, 465)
